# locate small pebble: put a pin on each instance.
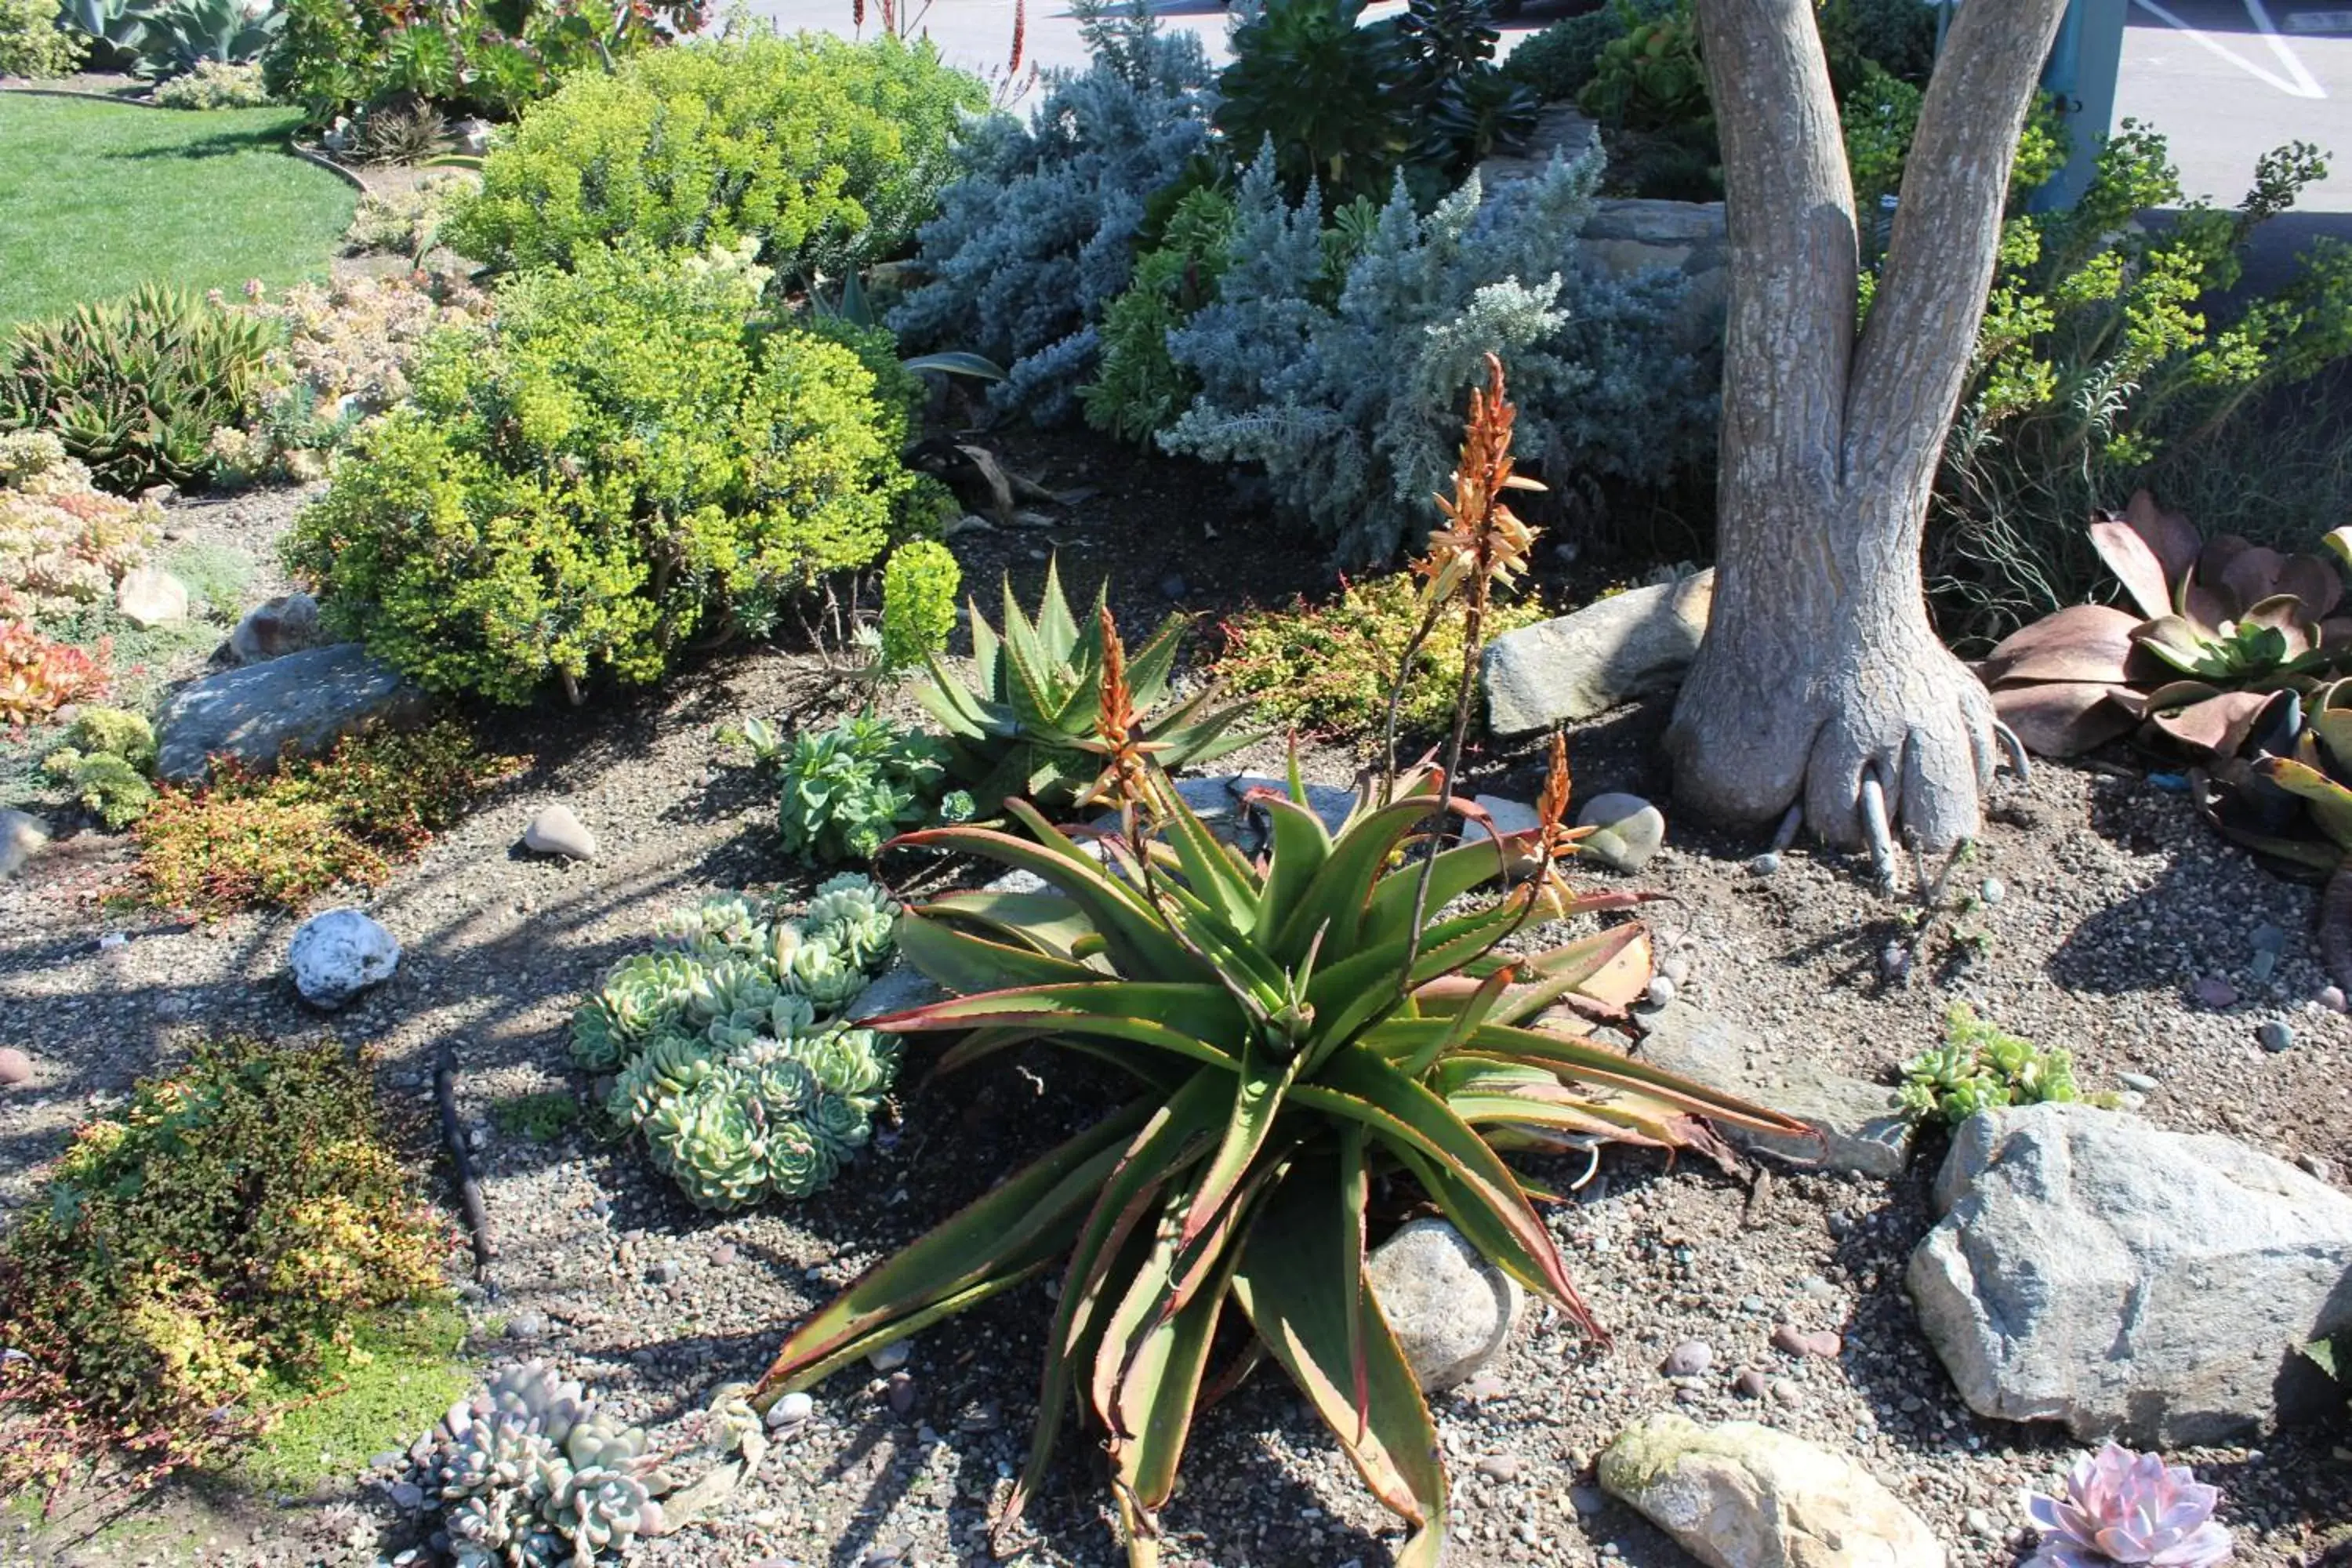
(2138, 1080)
(406, 1495)
(1749, 1384)
(601, 1206)
(901, 1393)
(2276, 1035)
(1677, 970)
(1991, 891)
(791, 1411)
(1481, 1388)
(15, 1066)
(525, 1326)
(890, 1357)
(1661, 991)
(1893, 961)
(722, 1254)
(887, 1554)
(1979, 1522)
(667, 1272)
(1173, 586)
(1688, 1359)
(2212, 991)
(1751, 1303)
(1585, 1500)
(1764, 865)
(2331, 997)
(1787, 1392)
(2313, 1165)
(1825, 1343)
(1500, 1466)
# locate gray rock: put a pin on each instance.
(2138, 1080)
(525, 1326)
(287, 624)
(307, 700)
(21, 835)
(2093, 1270)
(15, 1067)
(1745, 1496)
(1688, 1359)
(1627, 831)
(2276, 1035)
(1217, 799)
(895, 990)
(1764, 865)
(556, 831)
(1862, 1129)
(1508, 815)
(890, 1357)
(1660, 992)
(149, 597)
(340, 954)
(789, 1411)
(1611, 651)
(1452, 1311)
(406, 1496)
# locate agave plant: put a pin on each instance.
(1031, 726)
(2122, 1507)
(1302, 1029)
(177, 36)
(2222, 624)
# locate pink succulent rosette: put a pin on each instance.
(2126, 1507)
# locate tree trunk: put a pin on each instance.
(1820, 667)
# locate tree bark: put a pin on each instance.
(1820, 667)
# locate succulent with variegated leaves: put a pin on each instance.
(1301, 1027)
(2123, 1507)
(602, 1507)
(1031, 727)
(2217, 625)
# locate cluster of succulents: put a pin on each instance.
(62, 541)
(529, 1473)
(844, 791)
(728, 1045)
(347, 353)
(1982, 1067)
(407, 223)
(39, 675)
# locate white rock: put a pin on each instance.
(1509, 815)
(1451, 1310)
(2094, 1270)
(1627, 831)
(340, 954)
(789, 1411)
(149, 597)
(21, 833)
(556, 831)
(1745, 1496)
(891, 1357)
(1613, 650)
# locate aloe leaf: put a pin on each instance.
(987, 648)
(1159, 1387)
(1048, 922)
(957, 361)
(1340, 1351)
(2331, 803)
(1603, 966)
(1454, 872)
(1148, 667)
(1136, 940)
(965, 963)
(1301, 844)
(1058, 633)
(1257, 1095)
(1342, 888)
(1213, 871)
(1198, 1021)
(945, 699)
(1600, 1065)
(1027, 1218)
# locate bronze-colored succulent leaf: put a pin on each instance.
(2314, 580)
(2168, 536)
(2218, 724)
(2252, 575)
(2080, 642)
(2136, 566)
(2061, 718)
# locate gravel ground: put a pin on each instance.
(2114, 904)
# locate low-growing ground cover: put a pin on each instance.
(96, 198)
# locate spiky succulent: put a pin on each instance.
(728, 1048)
(1032, 726)
(2123, 1507)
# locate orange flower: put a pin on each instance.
(1484, 542)
(1125, 780)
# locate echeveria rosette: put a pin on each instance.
(1334, 1040)
(712, 1141)
(2123, 1507)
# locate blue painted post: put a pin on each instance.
(2083, 63)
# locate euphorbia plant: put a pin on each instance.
(1301, 1027)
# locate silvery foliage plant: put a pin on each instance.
(729, 1045)
(1039, 234)
(1353, 407)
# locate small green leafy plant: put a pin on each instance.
(543, 1118)
(107, 763)
(246, 840)
(33, 43)
(1032, 724)
(1139, 390)
(919, 582)
(847, 790)
(732, 1051)
(1327, 670)
(228, 1227)
(1650, 78)
(1981, 1067)
(135, 387)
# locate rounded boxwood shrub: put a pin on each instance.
(630, 459)
(829, 152)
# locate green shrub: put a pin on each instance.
(847, 791)
(107, 763)
(215, 84)
(1649, 78)
(33, 43)
(226, 1227)
(1326, 669)
(630, 459)
(918, 603)
(1557, 62)
(1981, 1067)
(135, 387)
(1140, 391)
(1896, 37)
(246, 840)
(827, 153)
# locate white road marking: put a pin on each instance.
(2298, 82)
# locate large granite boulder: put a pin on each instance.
(1614, 649)
(2094, 1270)
(1862, 1129)
(308, 700)
(1746, 1496)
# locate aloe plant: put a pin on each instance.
(1298, 1028)
(1031, 725)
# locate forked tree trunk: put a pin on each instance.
(1819, 666)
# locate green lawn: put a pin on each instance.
(96, 198)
